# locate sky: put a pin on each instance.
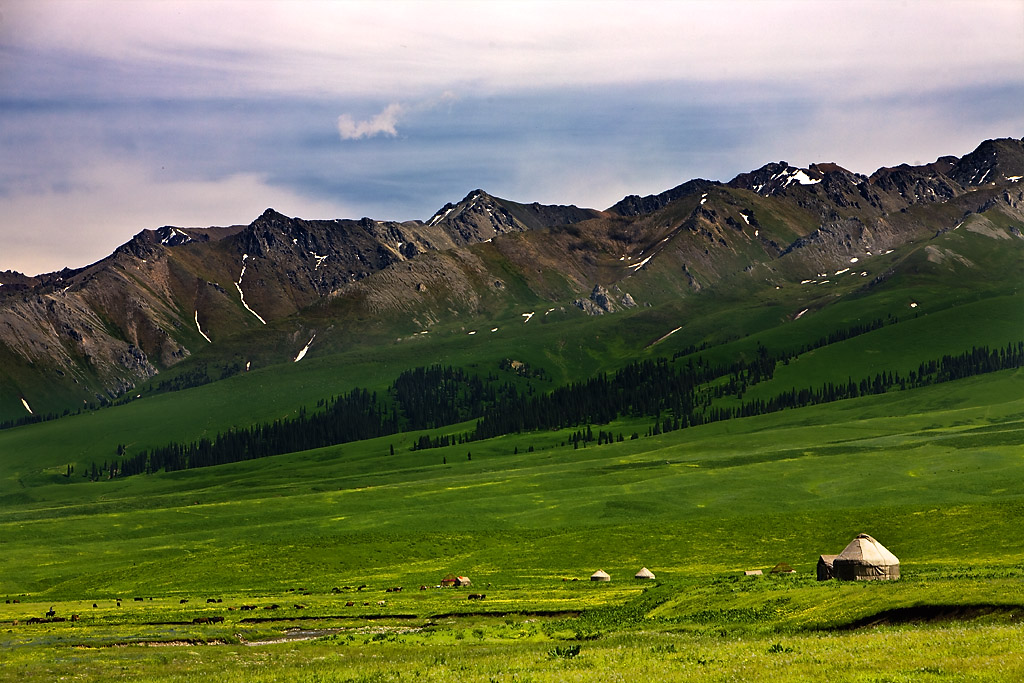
(119, 116)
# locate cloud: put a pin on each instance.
(382, 124)
(398, 49)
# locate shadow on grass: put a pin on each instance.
(932, 614)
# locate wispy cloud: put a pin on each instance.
(386, 121)
(382, 124)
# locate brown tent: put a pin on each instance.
(825, 567)
(449, 580)
(865, 559)
(782, 568)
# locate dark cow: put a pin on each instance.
(74, 617)
(182, 601)
(475, 596)
(349, 603)
(201, 620)
(138, 599)
(216, 620)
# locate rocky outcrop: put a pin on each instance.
(602, 301)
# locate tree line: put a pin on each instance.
(675, 395)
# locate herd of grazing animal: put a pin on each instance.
(51, 615)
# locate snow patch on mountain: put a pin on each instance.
(802, 178)
(201, 329)
(241, 295)
(302, 353)
(638, 266)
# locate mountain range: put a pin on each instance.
(281, 288)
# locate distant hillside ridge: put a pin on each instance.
(281, 287)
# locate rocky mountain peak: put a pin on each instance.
(635, 205)
(480, 217)
(993, 161)
(775, 179)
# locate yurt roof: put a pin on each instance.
(644, 573)
(600, 574)
(866, 550)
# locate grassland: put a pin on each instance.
(932, 472)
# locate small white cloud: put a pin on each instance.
(385, 122)
(382, 124)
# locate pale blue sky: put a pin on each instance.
(118, 116)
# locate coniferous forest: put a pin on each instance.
(675, 394)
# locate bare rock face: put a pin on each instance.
(602, 301)
(480, 217)
(994, 161)
(635, 205)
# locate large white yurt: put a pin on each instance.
(865, 559)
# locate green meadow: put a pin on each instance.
(278, 569)
(934, 473)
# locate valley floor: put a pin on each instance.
(518, 650)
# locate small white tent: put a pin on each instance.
(865, 559)
(644, 573)
(600, 575)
